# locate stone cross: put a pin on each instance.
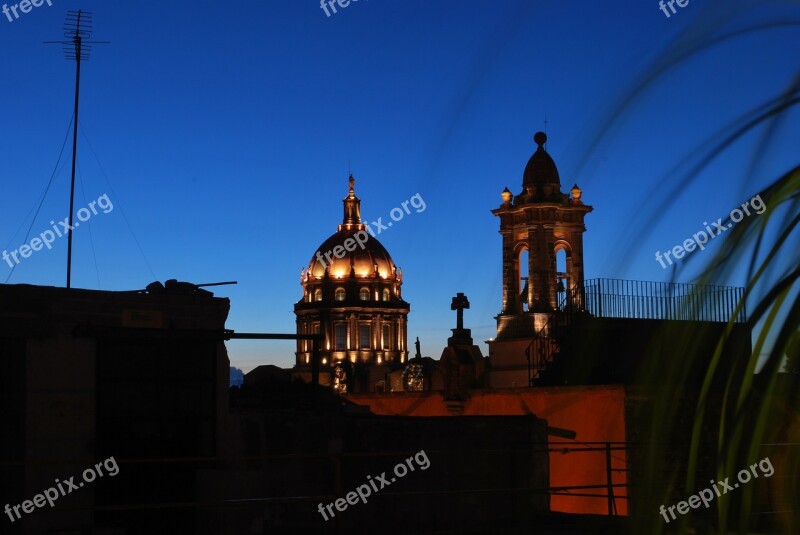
(460, 302)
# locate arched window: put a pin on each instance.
(387, 337)
(340, 336)
(385, 296)
(364, 336)
(317, 295)
(522, 279)
(339, 295)
(364, 294)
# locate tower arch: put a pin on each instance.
(544, 221)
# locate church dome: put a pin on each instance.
(352, 248)
(367, 255)
(541, 169)
(352, 300)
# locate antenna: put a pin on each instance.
(77, 27)
(545, 127)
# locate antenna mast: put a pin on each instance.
(77, 28)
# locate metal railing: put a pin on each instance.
(629, 299)
(616, 298)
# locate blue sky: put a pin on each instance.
(224, 133)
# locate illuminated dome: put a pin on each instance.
(352, 298)
(364, 260)
(351, 249)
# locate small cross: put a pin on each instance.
(545, 124)
(460, 302)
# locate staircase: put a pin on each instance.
(551, 344)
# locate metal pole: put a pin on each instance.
(77, 41)
(78, 26)
(315, 361)
(608, 479)
(216, 284)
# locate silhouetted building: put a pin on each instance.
(462, 363)
(294, 458)
(88, 375)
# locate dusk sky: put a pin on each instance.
(222, 134)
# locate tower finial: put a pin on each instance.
(352, 208)
(540, 138)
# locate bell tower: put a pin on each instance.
(536, 225)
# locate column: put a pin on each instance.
(509, 273)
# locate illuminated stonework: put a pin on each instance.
(413, 378)
(352, 295)
(540, 222)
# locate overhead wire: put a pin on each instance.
(91, 237)
(118, 202)
(44, 195)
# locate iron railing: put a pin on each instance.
(616, 298)
(629, 299)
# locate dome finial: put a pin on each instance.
(540, 138)
(352, 207)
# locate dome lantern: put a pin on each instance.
(541, 169)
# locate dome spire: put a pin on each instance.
(352, 208)
(540, 179)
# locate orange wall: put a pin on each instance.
(596, 414)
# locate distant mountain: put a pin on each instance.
(237, 377)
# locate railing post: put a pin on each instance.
(598, 299)
(529, 356)
(315, 361)
(611, 506)
(337, 459)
